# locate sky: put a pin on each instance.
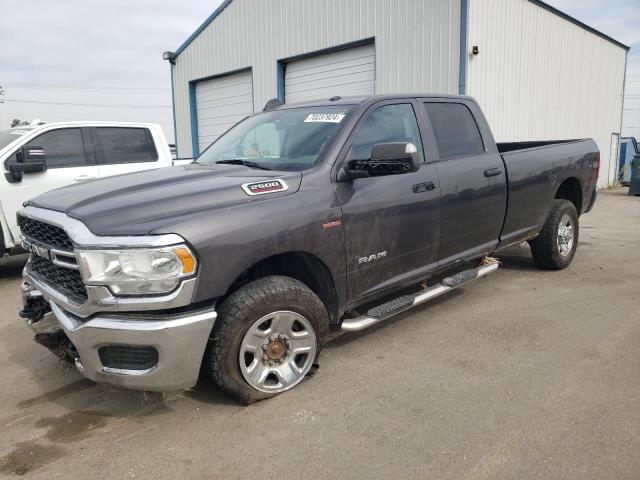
(102, 60)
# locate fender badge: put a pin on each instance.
(333, 224)
(269, 186)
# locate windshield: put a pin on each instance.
(290, 139)
(8, 136)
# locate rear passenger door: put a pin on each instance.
(472, 180)
(123, 150)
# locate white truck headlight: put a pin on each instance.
(137, 271)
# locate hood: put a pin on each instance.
(137, 203)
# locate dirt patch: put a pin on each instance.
(28, 456)
(58, 393)
(73, 426)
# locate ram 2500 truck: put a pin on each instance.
(332, 213)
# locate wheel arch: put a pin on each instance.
(303, 266)
(571, 189)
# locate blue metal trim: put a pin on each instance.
(280, 80)
(464, 50)
(173, 107)
(577, 22)
(223, 74)
(193, 112)
(336, 48)
(204, 25)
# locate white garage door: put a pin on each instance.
(345, 73)
(220, 103)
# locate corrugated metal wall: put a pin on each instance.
(539, 76)
(350, 72)
(221, 103)
(417, 45)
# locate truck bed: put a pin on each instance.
(535, 171)
(506, 147)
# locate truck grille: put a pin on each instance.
(65, 280)
(50, 235)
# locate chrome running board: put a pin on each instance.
(397, 305)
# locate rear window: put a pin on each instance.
(455, 129)
(125, 145)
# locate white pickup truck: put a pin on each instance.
(39, 158)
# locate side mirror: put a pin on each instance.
(32, 159)
(386, 159)
(28, 160)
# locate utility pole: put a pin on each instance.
(1, 94)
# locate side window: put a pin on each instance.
(455, 129)
(389, 123)
(62, 148)
(125, 145)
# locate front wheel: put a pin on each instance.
(555, 246)
(267, 337)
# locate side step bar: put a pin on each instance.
(393, 307)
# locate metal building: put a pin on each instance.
(537, 72)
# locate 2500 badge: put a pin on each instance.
(260, 188)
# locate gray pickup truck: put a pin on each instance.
(331, 213)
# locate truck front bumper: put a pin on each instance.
(141, 351)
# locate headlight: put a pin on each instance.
(137, 271)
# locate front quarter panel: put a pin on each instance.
(229, 241)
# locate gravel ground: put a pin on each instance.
(523, 374)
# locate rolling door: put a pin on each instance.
(349, 72)
(220, 103)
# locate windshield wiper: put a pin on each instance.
(246, 163)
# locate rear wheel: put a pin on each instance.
(555, 246)
(267, 337)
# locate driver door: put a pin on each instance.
(69, 160)
(391, 223)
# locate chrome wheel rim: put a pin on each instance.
(277, 351)
(566, 232)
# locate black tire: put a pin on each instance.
(544, 248)
(244, 307)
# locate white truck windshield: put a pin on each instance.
(8, 136)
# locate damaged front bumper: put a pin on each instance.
(141, 351)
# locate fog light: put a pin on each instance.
(124, 357)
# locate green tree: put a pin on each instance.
(16, 122)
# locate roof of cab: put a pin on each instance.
(365, 99)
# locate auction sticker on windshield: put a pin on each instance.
(325, 117)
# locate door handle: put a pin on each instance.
(492, 172)
(423, 187)
(84, 178)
